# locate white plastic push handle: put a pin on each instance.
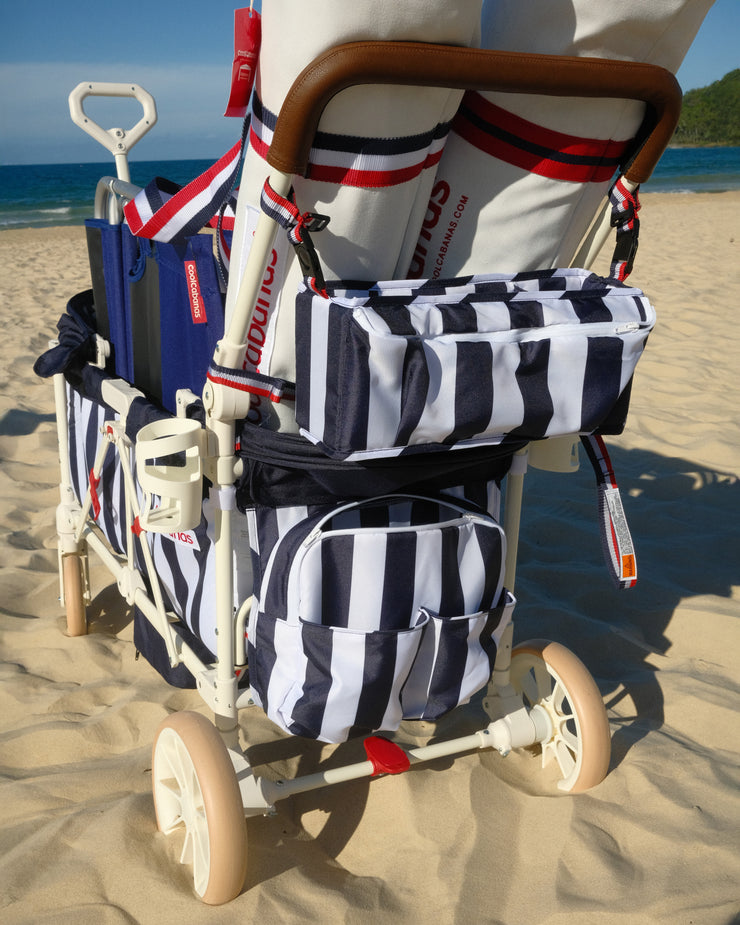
(116, 140)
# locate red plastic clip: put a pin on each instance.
(94, 483)
(136, 527)
(386, 756)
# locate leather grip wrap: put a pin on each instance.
(450, 67)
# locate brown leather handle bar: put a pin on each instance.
(418, 64)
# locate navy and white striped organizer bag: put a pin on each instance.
(372, 612)
(386, 609)
(399, 367)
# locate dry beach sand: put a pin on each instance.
(477, 840)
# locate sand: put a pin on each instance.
(481, 839)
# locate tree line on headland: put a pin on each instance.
(711, 115)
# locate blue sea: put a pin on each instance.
(39, 195)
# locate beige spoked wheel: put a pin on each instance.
(73, 582)
(550, 676)
(196, 790)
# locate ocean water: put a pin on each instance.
(696, 170)
(39, 195)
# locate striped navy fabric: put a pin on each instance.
(395, 368)
(86, 418)
(184, 560)
(374, 611)
(186, 569)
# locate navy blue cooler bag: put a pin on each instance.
(160, 306)
(175, 313)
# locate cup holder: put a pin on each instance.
(169, 468)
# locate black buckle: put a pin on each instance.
(625, 215)
(312, 221)
(626, 249)
(308, 259)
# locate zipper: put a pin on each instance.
(520, 335)
(465, 516)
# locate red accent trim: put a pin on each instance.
(197, 303)
(515, 151)
(258, 144)
(322, 292)
(94, 483)
(371, 179)
(614, 541)
(386, 756)
(133, 217)
(136, 527)
(538, 134)
(227, 223)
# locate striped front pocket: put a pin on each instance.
(411, 366)
(376, 611)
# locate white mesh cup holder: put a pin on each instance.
(169, 468)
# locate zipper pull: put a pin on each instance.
(312, 537)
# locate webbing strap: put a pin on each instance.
(164, 211)
(298, 225)
(625, 206)
(616, 539)
(277, 390)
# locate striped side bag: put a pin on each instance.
(372, 612)
(402, 367)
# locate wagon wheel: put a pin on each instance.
(551, 676)
(73, 583)
(195, 788)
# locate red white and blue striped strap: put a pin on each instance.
(276, 390)
(285, 212)
(164, 211)
(625, 206)
(298, 224)
(616, 539)
(357, 160)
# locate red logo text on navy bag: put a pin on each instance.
(197, 305)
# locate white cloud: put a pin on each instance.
(36, 126)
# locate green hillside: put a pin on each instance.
(711, 115)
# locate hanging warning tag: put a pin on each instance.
(616, 540)
(247, 37)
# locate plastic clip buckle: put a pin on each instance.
(626, 249)
(308, 259)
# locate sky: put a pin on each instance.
(181, 52)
